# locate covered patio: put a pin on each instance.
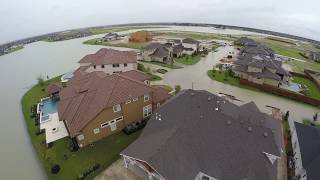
(54, 128)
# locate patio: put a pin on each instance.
(54, 128)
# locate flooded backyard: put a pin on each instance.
(19, 70)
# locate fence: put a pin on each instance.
(282, 92)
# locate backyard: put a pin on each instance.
(313, 90)
(310, 123)
(72, 164)
(224, 77)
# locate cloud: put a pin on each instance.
(20, 18)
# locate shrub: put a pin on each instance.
(177, 88)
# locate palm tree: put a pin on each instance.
(40, 80)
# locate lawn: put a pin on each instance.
(11, 50)
(126, 45)
(154, 77)
(309, 123)
(224, 77)
(72, 164)
(102, 30)
(298, 66)
(188, 60)
(313, 90)
(199, 35)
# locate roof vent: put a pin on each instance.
(241, 121)
(228, 122)
(216, 109)
(218, 102)
(192, 94)
(201, 116)
(265, 134)
(249, 129)
(209, 98)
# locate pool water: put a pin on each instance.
(294, 87)
(48, 107)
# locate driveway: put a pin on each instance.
(117, 171)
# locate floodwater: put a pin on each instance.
(19, 70)
(196, 77)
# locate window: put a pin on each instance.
(147, 110)
(96, 130)
(128, 101)
(204, 177)
(103, 125)
(94, 67)
(125, 65)
(115, 65)
(116, 108)
(146, 97)
(102, 66)
(81, 137)
(119, 119)
(135, 99)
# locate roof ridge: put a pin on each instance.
(134, 80)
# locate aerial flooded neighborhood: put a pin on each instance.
(159, 101)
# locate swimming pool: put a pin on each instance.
(47, 107)
(294, 87)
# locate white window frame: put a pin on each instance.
(146, 97)
(117, 108)
(149, 111)
(80, 137)
(128, 101)
(135, 99)
(105, 124)
(96, 130)
(119, 119)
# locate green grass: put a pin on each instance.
(170, 66)
(313, 90)
(118, 29)
(199, 35)
(308, 122)
(224, 77)
(11, 50)
(103, 152)
(154, 77)
(188, 60)
(298, 66)
(126, 45)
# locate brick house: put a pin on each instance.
(140, 37)
(95, 105)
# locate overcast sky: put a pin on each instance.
(24, 18)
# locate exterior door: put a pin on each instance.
(113, 125)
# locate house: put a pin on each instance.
(110, 37)
(178, 50)
(140, 37)
(315, 56)
(158, 52)
(257, 63)
(244, 41)
(190, 45)
(200, 136)
(260, 69)
(109, 61)
(306, 148)
(95, 105)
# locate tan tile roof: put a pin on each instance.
(87, 95)
(110, 56)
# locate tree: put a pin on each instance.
(286, 116)
(315, 117)
(40, 81)
(177, 88)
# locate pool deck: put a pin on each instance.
(54, 128)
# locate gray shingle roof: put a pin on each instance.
(194, 136)
(309, 142)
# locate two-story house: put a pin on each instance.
(190, 45)
(200, 136)
(109, 61)
(95, 105)
(158, 52)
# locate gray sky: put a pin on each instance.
(24, 18)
